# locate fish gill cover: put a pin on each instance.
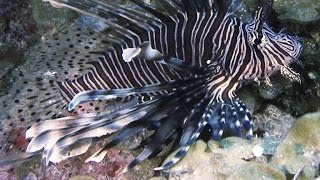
(172, 72)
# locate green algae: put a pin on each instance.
(303, 11)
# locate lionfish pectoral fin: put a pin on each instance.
(191, 133)
(126, 92)
(75, 138)
(228, 113)
(163, 136)
(92, 96)
(217, 120)
(47, 138)
(230, 117)
(79, 147)
(183, 149)
(60, 124)
(245, 117)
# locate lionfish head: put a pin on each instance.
(289, 46)
(278, 51)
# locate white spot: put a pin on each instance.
(208, 61)
(220, 132)
(174, 160)
(51, 101)
(238, 123)
(130, 53)
(312, 76)
(197, 134)
(257, 151)
(48, 73)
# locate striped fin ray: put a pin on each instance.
(230, 117)
(69, 121)
(167, 130)
(217, 115)
(192, 131)
(103, 125)
(116, 93)
(161, 111)
(124, 123)
(170, 128)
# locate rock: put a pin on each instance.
(301, 148)
(273, 121)
(304, 11)
(16, 26)
(257, 171)
(31, 176)
(309, 172)
(48, 17)
(311, 50)
(278, 85)
(298, 10)
(158, 178)
(196, 164)
(81, 178)
(232, 158)
(250, 98)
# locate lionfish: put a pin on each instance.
(173, 72)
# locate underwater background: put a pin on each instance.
(40, 44)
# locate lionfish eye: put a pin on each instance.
(257, 41)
